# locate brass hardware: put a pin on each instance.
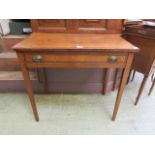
(37, 58)
(112, 59)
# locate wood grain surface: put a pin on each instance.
(46, 41)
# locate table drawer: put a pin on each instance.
(86, 58)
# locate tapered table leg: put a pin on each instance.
(151, 89)
(42, 78)
(122, 85)
(28, 86)
(107, 76)
(115, 79)
(129, 76)
(141, 89)
(133, 75)
(45, 81)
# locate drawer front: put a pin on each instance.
(75, 60)
(54, 58)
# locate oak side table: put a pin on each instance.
(44, 50)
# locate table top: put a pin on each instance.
(147, 32)
(56, 41)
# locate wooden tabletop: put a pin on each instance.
(57, 41)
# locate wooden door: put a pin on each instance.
(49, 25)
(99, 25)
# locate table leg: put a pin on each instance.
(129, 76)
(42, 78)
(106, 79)
(115, 79)
(141, 88)
(133, 75)
(45, 81)
(153, 84)
(28, 85)
(122, 85)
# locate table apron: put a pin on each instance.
(74, 65)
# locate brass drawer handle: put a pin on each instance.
(112, 59)
(37, 58)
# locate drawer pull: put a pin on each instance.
(112, 59)
(37, 58)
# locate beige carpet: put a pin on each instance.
(79, 114)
